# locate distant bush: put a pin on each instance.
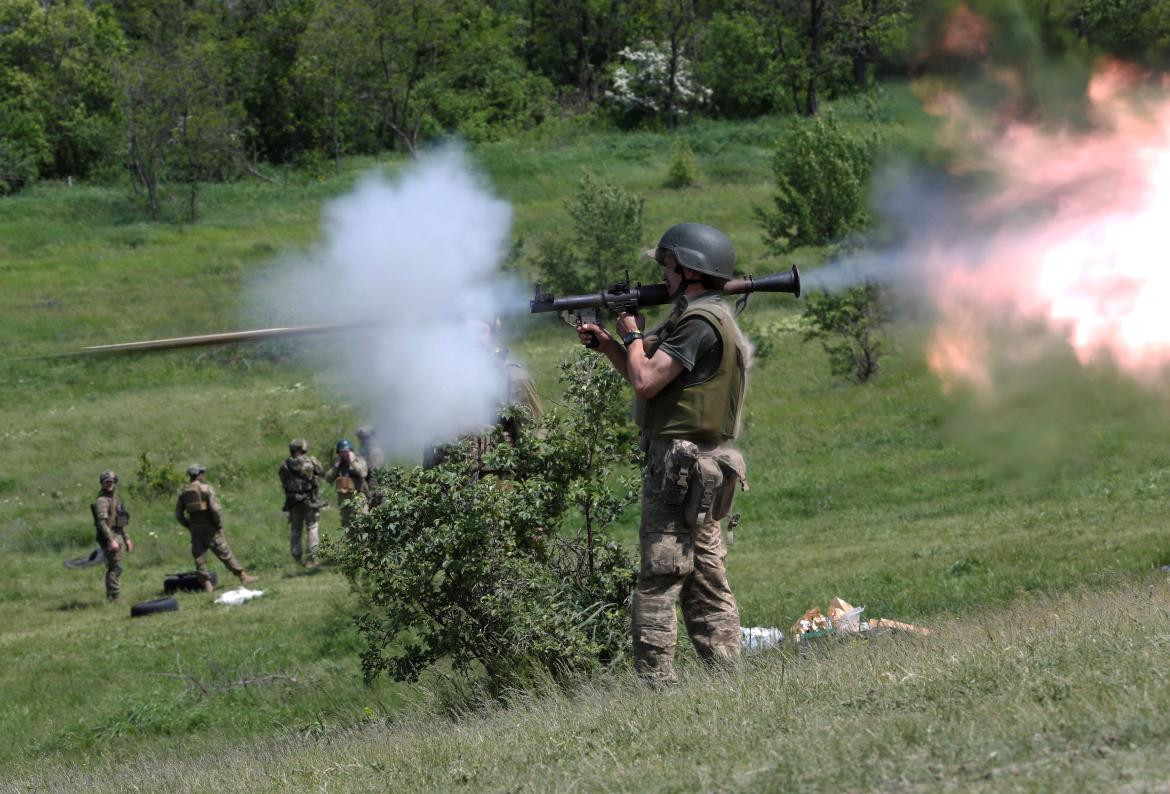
(684, 171)
(490, 574)
(607, 231)
(822, 176)
(849, 325)
(154, 482)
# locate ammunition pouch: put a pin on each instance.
(345, 486)
(702, 481)
(677, 465)
(121, 517)
(712, 485)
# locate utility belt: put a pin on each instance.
(701, 478)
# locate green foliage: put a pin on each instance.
(58, 113)
(152, 481)
(822, 173)
(684, 171)
(484, 572)
(737, 63)
(606, 234)
(850, 327)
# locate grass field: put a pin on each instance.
(973, 519)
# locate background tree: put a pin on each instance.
(332, 63)
(181, 123)
(58, 109)
(603, 245)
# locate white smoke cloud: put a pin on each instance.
(417, 258)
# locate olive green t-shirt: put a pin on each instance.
(696, 346)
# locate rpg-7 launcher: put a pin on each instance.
(577, 310)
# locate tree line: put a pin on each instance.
(186, 91)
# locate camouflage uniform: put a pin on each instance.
(302, 502)
(110, 520)
(351, 481)
(693, 416)
(198, 510)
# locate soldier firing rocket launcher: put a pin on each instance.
(577, 310)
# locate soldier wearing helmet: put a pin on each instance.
(111, 519)
(198, 510)
(350, 475)
(302, 499)
(689, 389)
(368, 447)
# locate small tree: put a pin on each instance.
(607, 230)
(849, 326)
(652, 82)
(821, 178)
(496, 576)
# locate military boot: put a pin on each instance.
(246, 579)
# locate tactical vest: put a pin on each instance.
(298, 476)
(195, 499)
(708, 410)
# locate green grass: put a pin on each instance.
(940, 510)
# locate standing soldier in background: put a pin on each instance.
(110, 519)
(350, 477)
(302, 501)
(689, 377)
(369, 448)
(198, 510)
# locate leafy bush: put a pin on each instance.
(491, 574)
(849, 325)
(607, 231)
(821, 175)
(684, 171)
(155, 482)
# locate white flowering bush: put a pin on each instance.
(640, 83)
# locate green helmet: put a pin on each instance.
(195, 469)
(344, 446)
(298, 445)
(107, 476)
(702, 248)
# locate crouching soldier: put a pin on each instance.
(302, 501)
(350, 476)
(198, 510)
(111, 520)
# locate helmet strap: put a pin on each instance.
(686, 282)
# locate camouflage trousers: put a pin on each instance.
(679, 564)
(302, 517)
(351, 506)
(205, 540)
(113, 570)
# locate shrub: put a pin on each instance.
(155, 482)
(490, 574)
(607, 231)
(684, 171)
(849, 325)
(821, 178)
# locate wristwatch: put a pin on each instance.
(630, 337)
